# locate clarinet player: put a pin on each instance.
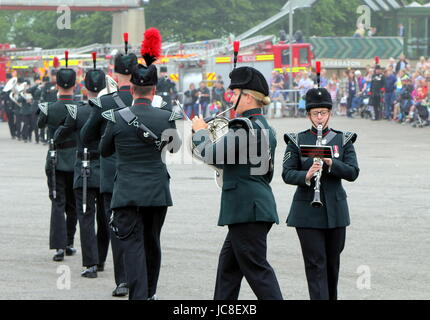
(321, 229)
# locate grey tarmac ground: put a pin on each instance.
(388, 238)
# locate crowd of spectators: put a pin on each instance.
(397, 91)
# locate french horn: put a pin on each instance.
(218, 128)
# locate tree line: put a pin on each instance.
(180, 20)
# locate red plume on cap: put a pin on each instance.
(151, 46)
(236, 46)
(56, 62)
(376, 60)
(66, 57)
(125, 36)
(94, 54)
(318, 70)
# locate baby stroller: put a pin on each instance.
(421, 116)
(365, 109)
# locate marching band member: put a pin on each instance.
(248, 206)
(321, 230)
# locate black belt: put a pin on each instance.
(92, 155)
(66, 145)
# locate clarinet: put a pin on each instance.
(316, 202)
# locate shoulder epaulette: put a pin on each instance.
(73, 110)
(44, 107)
(348, 136)
(175, 116)
(109, 115)
(95, 102)
(293, 137)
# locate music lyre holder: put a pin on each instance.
(316, 151)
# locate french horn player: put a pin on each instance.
(319, 210)
(245, 153)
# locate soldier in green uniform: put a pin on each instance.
(141, 194)
(86, 184)
(36, 93)
(20, 109)
(49, 94)
(93, 131)
(166, 88)
(9, 105)
(248, 206)
(26, 112)
(60, 167)
(322, 230)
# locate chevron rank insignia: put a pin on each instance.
(73, 110)
(109, 115)
(287, 156)
(175, 116)
(44, 108)
(95, 102)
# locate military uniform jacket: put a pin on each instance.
(36, 93)
(334, 212)
(246, 196)
(53, 115)
(77, 117)
(141, 177)
(165, 88)
(25, 107)
(49, 92)
(94, 129)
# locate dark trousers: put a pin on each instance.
(321, 249)
(349, 105)
(244, 255)
(388, 106)
(18, 125)
(376, 102)
(34, 127)
(26, 127)
(63, 229)
(139, 229)
(94, 246)
(11, 121)
(117, 245)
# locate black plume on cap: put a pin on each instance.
(124, 63)
(249, 78)
(144, 76)
(318, 98)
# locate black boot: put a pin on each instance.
(90, 272)
(59, 256)
(121, 290)
(70, 251)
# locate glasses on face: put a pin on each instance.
(322, 113)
